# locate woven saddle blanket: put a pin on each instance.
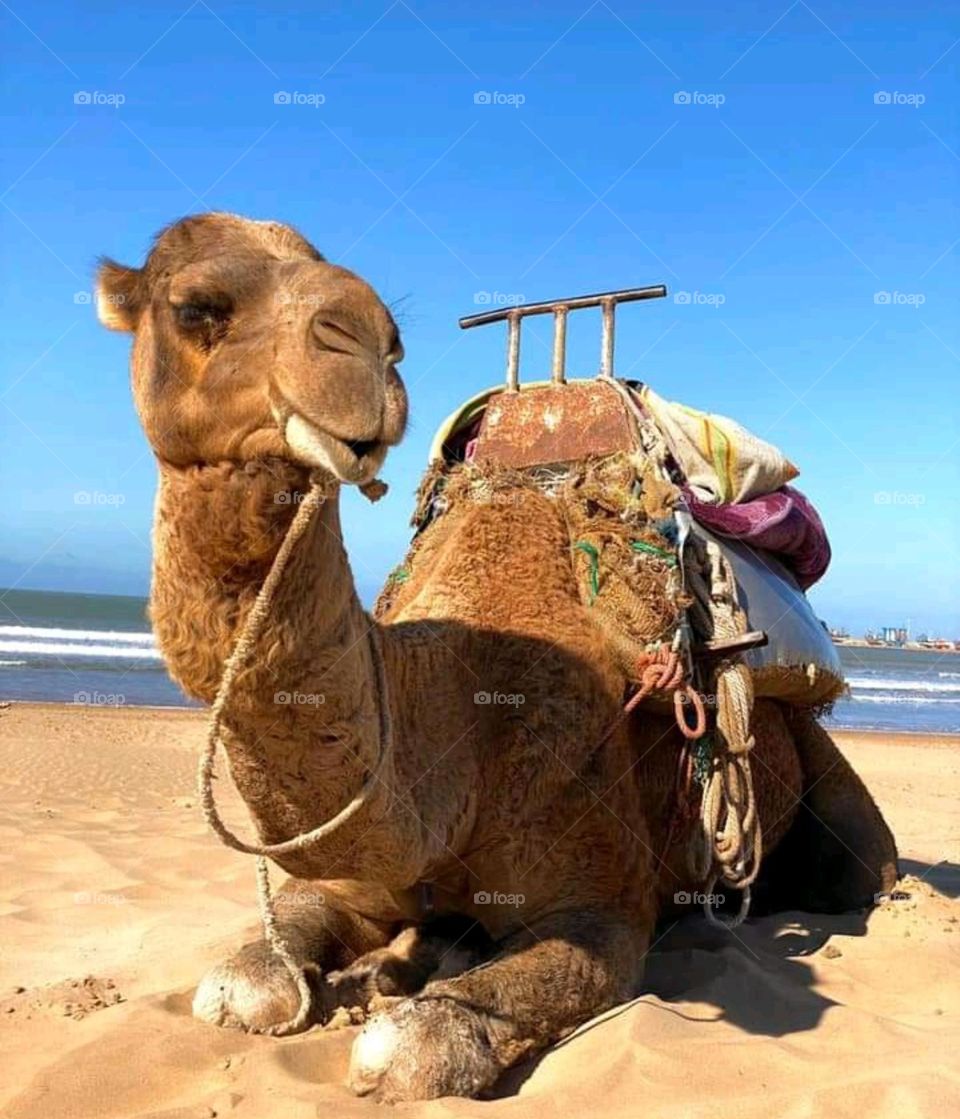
(648, 486)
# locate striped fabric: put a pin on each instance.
(722, 461)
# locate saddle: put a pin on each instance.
(643, 484)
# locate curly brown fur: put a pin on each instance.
(501, 687)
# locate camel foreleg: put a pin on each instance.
(458, 1035)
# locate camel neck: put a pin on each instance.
(217, 530)
(302, 725)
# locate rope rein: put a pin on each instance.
(239, 656)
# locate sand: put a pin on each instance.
(113, 901)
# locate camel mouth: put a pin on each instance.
(355, 461)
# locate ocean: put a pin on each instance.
(94, 649)
(98, 650)
(899, 689)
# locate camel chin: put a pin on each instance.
(321, 450)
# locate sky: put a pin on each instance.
(789, 171)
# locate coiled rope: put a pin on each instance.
(240, 654)
(728, 845)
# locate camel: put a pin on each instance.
(501, 884)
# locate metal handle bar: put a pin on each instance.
(606, 300)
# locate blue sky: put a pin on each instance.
(796, 166)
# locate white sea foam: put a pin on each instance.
(904, 700)
(69, 649)
(58, 634)
(871, 683)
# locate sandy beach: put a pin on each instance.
(114, 900)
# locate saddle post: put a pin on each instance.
(607, 302)
(513, 351)
(559, 373)
(607, 337)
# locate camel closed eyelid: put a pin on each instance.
(323, 329)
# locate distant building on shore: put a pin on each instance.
(895, 635)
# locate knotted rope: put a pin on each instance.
(662, 671)
(240, 654)
(729, 843)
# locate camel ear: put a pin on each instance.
(119, 295)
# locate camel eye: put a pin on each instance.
(205, 320)
(190, 315)
(195, 315)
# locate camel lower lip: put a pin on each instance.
(354, 461)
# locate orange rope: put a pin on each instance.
(662, 671)
(681, 697)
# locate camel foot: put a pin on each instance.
(420, 1049)
(252, 990)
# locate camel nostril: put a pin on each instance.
(361, 447)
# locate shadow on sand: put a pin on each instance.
(756, 976)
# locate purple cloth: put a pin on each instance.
(783, 522)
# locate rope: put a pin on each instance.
(729, 844)
(652, 550)
(593, 555)
(240, 654)
(663, 671)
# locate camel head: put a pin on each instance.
(248, 345)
